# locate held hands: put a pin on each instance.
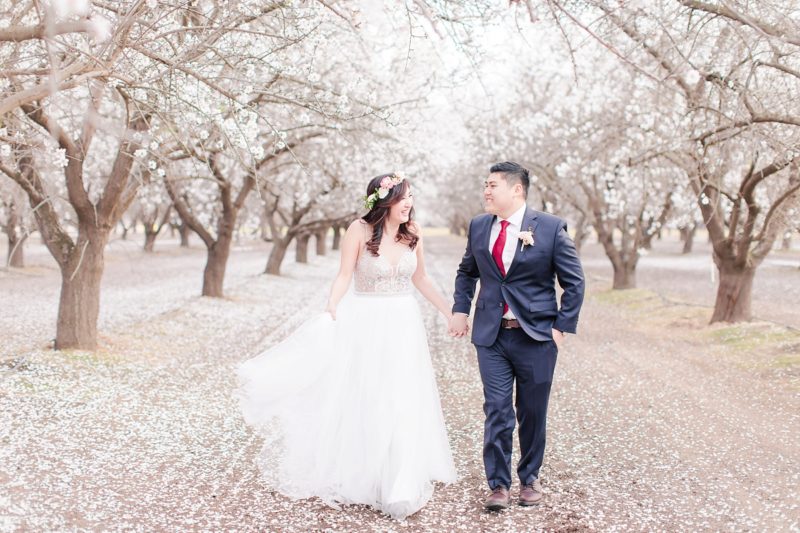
(458, 326)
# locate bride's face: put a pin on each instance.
(400, 211)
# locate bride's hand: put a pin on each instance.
(332, 310)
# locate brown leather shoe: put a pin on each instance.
(498, 499)
(531, 494)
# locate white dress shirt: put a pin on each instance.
(512, 241)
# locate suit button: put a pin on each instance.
(500, 304)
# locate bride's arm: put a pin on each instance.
(351, 244)
(425, 285)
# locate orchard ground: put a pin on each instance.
(657, 420)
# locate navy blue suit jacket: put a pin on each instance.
(529, 285)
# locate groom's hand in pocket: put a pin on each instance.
(558, 338)
(458, 325)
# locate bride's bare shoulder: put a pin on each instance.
(360, 228)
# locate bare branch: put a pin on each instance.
(725, 11)
(19, 34)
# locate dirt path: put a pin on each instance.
(655, 423)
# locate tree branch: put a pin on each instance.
(18, 34)
(724, 11)
(186, 214)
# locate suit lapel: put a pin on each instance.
(529, 220)
(486, 241)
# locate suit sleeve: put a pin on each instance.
(570, 277)
(466, 279)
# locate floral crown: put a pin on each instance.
(387, 184)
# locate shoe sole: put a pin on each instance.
(496, 507)
(530, 504)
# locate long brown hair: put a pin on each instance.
(380, 211)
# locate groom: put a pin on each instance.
(516, 253)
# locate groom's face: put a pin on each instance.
(498, 194)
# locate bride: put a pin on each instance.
(348, 404)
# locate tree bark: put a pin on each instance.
(79, 304)
(216, 262)
(581, 232)
(152, 228)
(687, 236)
(301, 248)
(624, 275)
(149, 240)
(184, 231)
(16, 240)
(264, 229)
(277, 254)
(16, 253)
(321, 242)
(623, 258)
(337, 237)
(734, 293)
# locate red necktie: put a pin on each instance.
(497, 253)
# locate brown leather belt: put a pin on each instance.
(509, 323)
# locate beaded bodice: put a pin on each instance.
(376, 275)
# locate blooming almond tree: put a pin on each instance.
(95, 81)
(732, 69)
(153, 208)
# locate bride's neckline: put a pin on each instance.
(383, 256)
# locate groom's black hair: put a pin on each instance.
(513, 173)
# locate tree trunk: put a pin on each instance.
(277, 254)
(734, 294)
(149, 239)
(786, 242)
(266, 234)
(14, 257)
(337, 237)
(301, 248)
(624, 275)
(214, 273)
(79, 305)
(687, 236)
(184, 231)
(581, 232)
(16, 254)
(320, 239)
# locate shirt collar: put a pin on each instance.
(516, 218)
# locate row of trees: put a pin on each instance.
(216, 105)
(673, 112)
(211, 116)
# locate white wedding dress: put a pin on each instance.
(349, 409)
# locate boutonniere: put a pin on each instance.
(527, 238)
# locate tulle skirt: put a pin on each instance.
(349, 409)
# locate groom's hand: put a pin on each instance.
(558, 338)
(458, 325)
